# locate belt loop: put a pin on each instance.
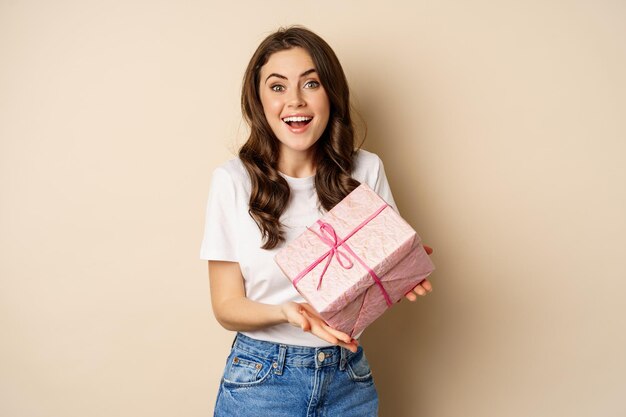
(343, 359)
(280, 361)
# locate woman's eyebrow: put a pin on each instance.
(304, 74)
(275, 75)
(307, 72)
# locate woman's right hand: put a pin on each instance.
(302, 315)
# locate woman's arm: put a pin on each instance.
(234, 311)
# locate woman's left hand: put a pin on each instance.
(424, 287)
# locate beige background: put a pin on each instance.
(502, 126)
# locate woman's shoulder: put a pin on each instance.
(366, 165)
(366, 159)
(369, 169)
(231, 178)
(232, 170)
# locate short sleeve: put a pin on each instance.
(382, 188)
(220, 229)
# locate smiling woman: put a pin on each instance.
(294, 72)
(299, 160)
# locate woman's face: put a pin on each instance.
(295, 103)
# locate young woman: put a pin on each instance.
(299, 161)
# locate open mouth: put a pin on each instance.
(297, 122)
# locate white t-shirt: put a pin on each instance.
(232, 235)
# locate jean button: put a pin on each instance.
(321, 356)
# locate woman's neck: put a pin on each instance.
(299, 165)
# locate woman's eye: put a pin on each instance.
(311, 84)
(277, 88)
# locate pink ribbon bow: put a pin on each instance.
(329, 236)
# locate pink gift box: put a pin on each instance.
(356, 261)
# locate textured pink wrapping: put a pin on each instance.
(349, 299)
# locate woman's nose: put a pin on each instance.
(295, 98)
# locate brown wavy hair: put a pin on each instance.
(334, 151)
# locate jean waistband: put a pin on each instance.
(291, 355)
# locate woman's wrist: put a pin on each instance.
(282, 313)
(292, 314)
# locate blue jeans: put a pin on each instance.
(271, 380)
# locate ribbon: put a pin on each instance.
(329, 236)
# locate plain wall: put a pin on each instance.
(502, 125)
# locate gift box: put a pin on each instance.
(356, 261)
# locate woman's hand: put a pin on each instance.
(424, 287)
(302, 315)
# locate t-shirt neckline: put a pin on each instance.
(299, 183)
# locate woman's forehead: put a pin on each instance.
(291, 63)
